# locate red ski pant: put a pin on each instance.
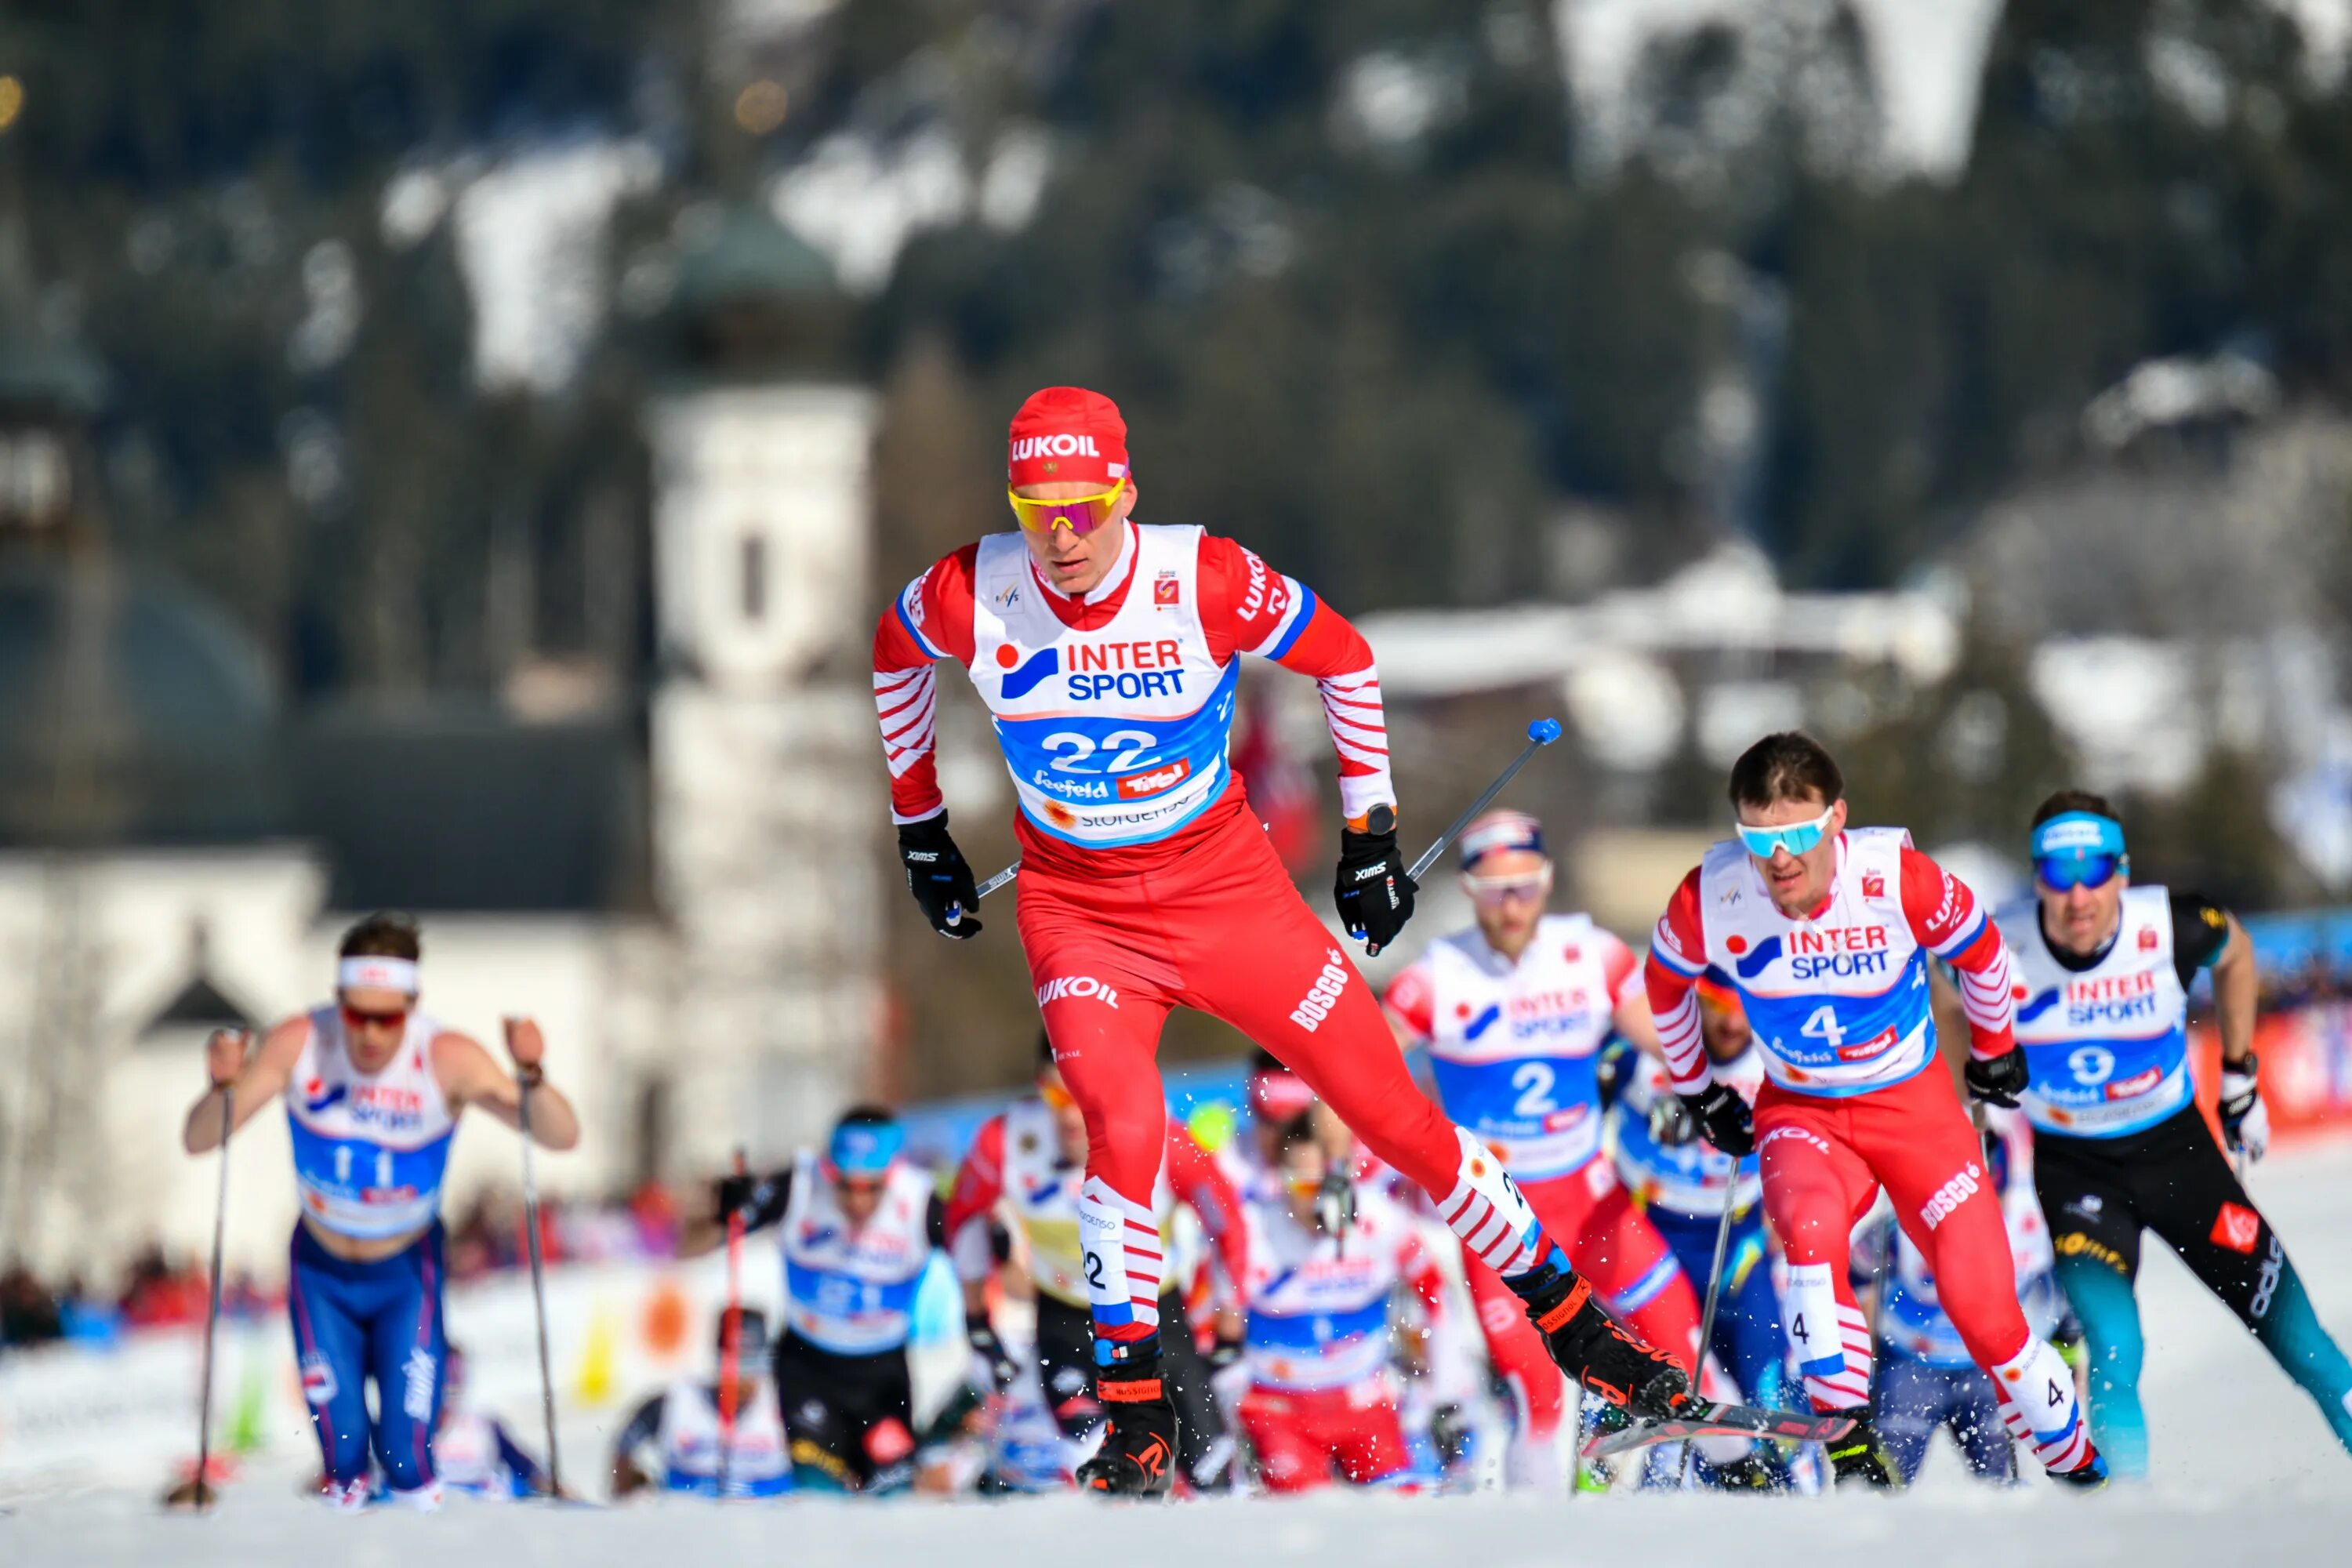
(1823, 1163)
(1301, 1439)
(1612, 1244)
(1220, 929)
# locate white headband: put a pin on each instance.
(379, 974)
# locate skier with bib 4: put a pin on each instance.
(1825, 933)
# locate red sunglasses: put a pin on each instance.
(354, 1017)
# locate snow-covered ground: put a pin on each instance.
(2244, 1473)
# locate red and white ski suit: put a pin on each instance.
(1145, 882)
(1321, 1398)
(1856, 1096)
(1514, 1044)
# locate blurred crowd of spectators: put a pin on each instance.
(2318, 980)
(487, 1237)
(158, 1292)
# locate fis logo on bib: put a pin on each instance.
(1963, 1186)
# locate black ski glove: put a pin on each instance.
(1613, 1070)
(734, 1192)
(1724, 1117)
(1671, 1124)
(989, 1360)
(939, 878)
(742, 1194)
(1997, 1080)
(1374, 892)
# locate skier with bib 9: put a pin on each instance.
(1109, 652)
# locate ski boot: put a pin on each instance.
(1595, 1350)
(1747, 1473)
(1137, 1457)
(1860, 1460)
(2087, 1477)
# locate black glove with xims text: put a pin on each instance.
(1374, 891)
(1997, 1080)
(939, 878)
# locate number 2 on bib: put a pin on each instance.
(1131, 748)
(1534, 1082)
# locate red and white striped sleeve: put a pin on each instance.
(1618, 964)
(979, 1182)
(1409, 999)
(1677, 958)
(1421, 1273)
(1945, 916)
(1246, 606)
(929, 620)
(1196, 1178)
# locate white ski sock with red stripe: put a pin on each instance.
(2038, 1405)
(1124, 1266)
(1494, 1223)
(1831, 1339)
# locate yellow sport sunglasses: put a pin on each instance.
(1081, 515)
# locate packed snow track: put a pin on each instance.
(2244, 1472)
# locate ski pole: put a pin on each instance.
(1714, 1294)
(204, 1497)
(538, 1285)
(730, 1335)
(1977, 1119)
(1542, 732)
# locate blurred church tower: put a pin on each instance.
(767, 830)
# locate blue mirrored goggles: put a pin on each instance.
(863, 1149)
(1796, 839)
(2078, 849)
(2061, 872)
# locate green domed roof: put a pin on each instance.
(750, 257)
(130, 707)
(50, 376)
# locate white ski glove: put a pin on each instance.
(2245, 1121)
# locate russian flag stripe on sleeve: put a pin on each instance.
(1670, 959)
(1958, 941)
(1285, 631)
(907, 621)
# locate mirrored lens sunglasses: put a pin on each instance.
(1796, 839)
(1081, 515)
(2059, 873)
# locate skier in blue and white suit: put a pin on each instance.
(373, 1089)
